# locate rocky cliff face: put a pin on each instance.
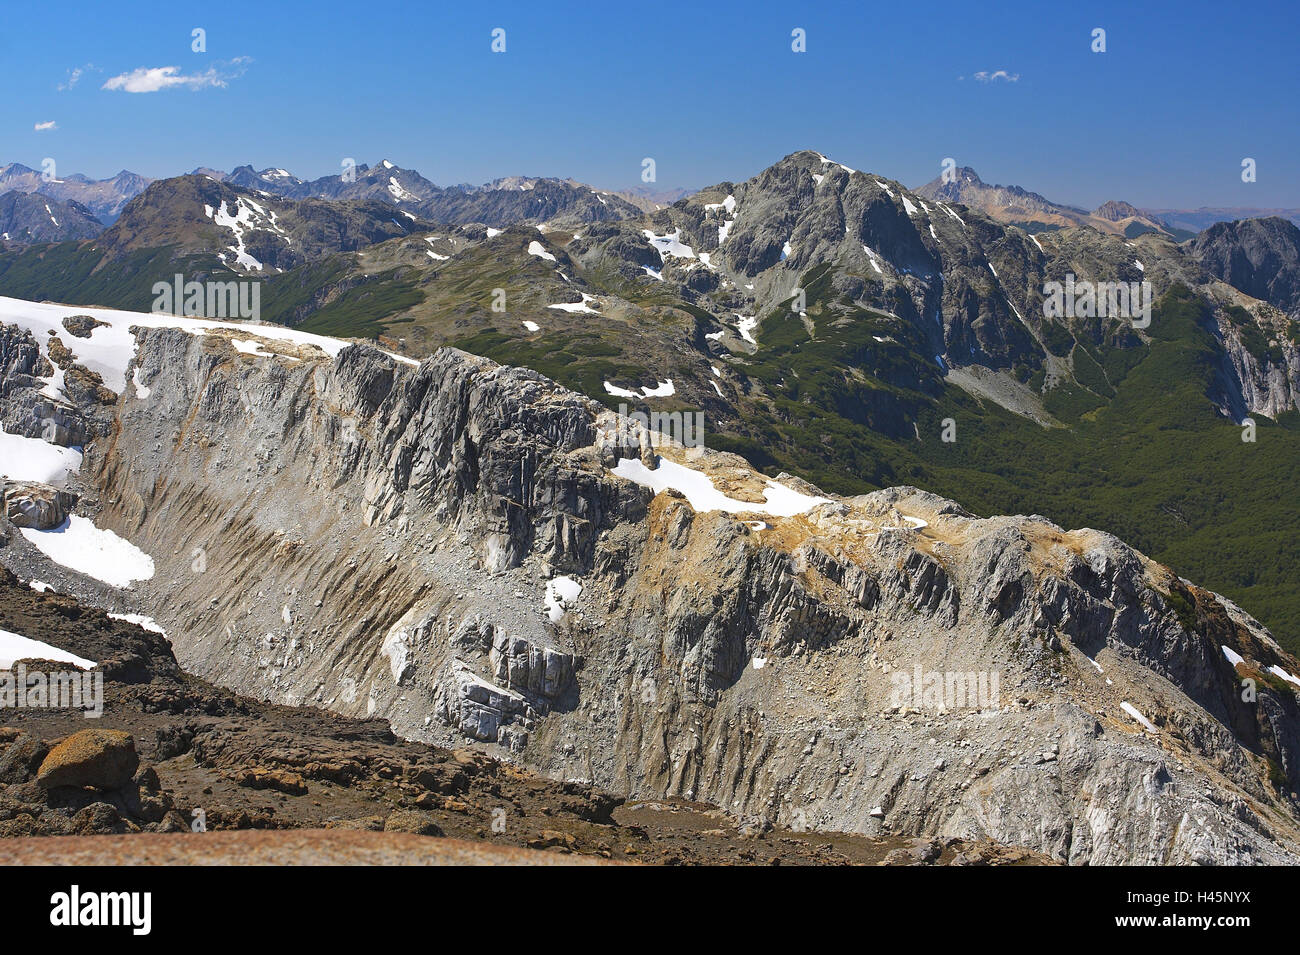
(1260, 257)
(29, 405)
(407, 542)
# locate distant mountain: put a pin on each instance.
(384, 181)
(1032, 212)
(1116, 211)
(558, 201)
(498, 204)
(650, 200)
(1260, 257)
(26, 219)
(248, 231)
(1197, 220)
(105, 198)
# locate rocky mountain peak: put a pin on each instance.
(1114, 211)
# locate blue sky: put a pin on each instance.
(711, 91)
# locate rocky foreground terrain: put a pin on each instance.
(171, 750)
(479, 557)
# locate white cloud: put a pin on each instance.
(41, 127)
(151, 79)
(986, 77)
(74, 76)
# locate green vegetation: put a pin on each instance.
(1155, 464)
(84, 277)
(329, 295)
(581, 362)
(360, 311)
(852, 400)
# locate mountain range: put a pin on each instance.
(104, 198)
(492, 203)
(1065, 440)
(915, 311)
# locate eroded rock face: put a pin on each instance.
(28, 405)
(377, 539)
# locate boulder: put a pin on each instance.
(82, 326)
(104, 759)
(416, 823)
(22, 758)
(38, 506)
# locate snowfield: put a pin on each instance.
(14, 646)
(670, 245)
(81, 546)
(31, 459)
(248, 215)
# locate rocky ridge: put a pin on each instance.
(380, 541)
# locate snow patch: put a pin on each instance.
(14, 646)
(398, 193)
(142, 391)
(31, 459)
(1278, 671)
(746, 325)
(669, 244)
(662, 389)
(561, 594)
(578, 306)
(81, 546)
(1132, 711)
(951, 213)
(141, 621)
(872, 256)
(536, 248)
(698, 488)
